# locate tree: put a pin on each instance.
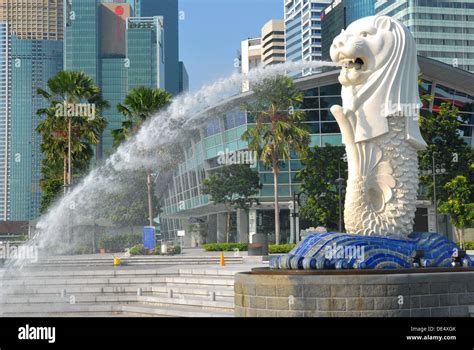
(70, 125)
(446, 147)
(459, 206)
(234, 186)
(278, 130)
(323, 166)
(140, 104)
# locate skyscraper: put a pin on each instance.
(129, 52)
(338, 15)
(31, 52)
(273, 42)
(168, 9)
(303, 31)
(443, 30)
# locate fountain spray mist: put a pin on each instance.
(152, 147)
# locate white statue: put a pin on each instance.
(379, 125)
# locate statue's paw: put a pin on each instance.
(344, 123)
(338, 112)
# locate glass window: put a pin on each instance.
(312, 116)
(330, 90)
(326, 115)
(329, 128)
(310, 103)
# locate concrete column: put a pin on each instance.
(221, 227)
(187, 239)
(211, 229)
(242, 226)
(252, 224)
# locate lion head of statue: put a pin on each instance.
(379, 76)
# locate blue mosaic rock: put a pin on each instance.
(334, 250)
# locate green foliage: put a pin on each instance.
(459, 205)
(118, 243)
(139, 105)
(74, 88)
(225, 247)
(441, 132)
(138, 249)
(318, 182)
(280, 249)
(234, 186)
(469, 245)
(278, 128)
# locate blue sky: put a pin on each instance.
(211, 32)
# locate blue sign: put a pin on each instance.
(149, 237)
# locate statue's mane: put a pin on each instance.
(391, 90)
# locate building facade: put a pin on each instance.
(31, 52)
(168, 9)
(183, 78)
(337, 16)
(443, 30)
(273, 42)
(303, 31)
(186, 208)
(129, 52)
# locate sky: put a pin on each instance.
(210, 32)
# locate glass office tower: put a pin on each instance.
(338, 15)
(31, 52)
(303, 31)
(443, 30)
(124, 52)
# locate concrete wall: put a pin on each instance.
(381, 295)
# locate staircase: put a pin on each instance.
(123, 291)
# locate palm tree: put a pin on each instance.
(278, 129)
(68, 135)
(139, 105)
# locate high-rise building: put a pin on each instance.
(129, 52)
(273, 42)
(250, 57)
(443, 30)
(183, 78)
(31, 52)
(168, 9)
(251, 54)
(303, 31)
(337, 16)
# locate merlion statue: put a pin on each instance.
(379, 125)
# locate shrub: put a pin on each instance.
(137, 250)
(224, 247)
(469, 245)
(280, 249)
(118, 243)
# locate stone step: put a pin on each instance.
(201, 303)
(210, 272)
(65, 282)
(175, 311)
(113, 272)
(57, 299)
(221, 291)
(33, 310)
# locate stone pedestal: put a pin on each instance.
(267, 293)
